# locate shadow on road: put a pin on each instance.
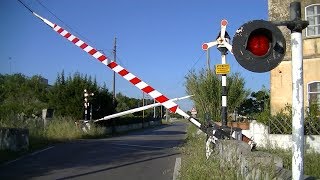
(88, 157)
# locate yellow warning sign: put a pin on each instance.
(222, 68)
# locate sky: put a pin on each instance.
(157, 40)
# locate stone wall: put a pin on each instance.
(14, 139)
(250, 164)
(129, 127)
(259, 132)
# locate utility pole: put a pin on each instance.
(143, 104)
(154, 109)
(114, 74)
(208, 60)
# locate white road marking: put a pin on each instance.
(177, 167)
(28, 155)
(133, 145)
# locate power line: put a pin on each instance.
(69, 27)
(25, 6)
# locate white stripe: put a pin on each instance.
(117, 68)
(88, 48)
(71, 37)
(106, 62)
(141, 85)
(154, 94)
(224, 101)
(37, 152)
(129, 76)
(97, 54)
(169, 104)
(176, 171)
(64, 32)
(133, 145)
(79, 43)
(224, 80)
(28, 155)
(233, 134)
(57, 28)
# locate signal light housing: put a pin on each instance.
(259, 46)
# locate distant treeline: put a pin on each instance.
(25, 97)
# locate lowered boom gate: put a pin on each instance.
(214, 132)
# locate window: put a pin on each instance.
(313, 16)
(314, 93)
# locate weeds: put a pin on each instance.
(40, 136)
(194, 163)
(311, 161)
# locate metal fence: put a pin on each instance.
(283, 125)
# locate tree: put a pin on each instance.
(66, 96)
(206, 88)
(22, 95)
(256, 103)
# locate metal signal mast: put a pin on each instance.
(222, 43)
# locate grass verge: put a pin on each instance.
(195, 166)
(311, 161)
(58, 130)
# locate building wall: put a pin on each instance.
(281, 76)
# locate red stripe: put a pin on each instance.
(135, 80)
(102, 58)
(84, 45)
(54, 26)
(75, 40)
(162, 99)
(174, 109)
(148, 89)
(123, 72)
(112, 65)
(60, 30)
(92, 51)
(67, 35)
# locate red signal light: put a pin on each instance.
(258, 44)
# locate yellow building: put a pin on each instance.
(281, 76)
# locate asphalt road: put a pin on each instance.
(147, 154)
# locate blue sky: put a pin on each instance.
(158, 40)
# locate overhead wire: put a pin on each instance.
(25, 6)
(66, 25)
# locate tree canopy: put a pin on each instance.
(206, 88)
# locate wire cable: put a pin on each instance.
(25, 6)
(69, 27)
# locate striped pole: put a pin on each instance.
(114, 66)
(224, 92)
(169, 104)
(172, 106)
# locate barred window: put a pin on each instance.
(313, 16)
(314, 93)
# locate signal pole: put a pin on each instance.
(223, 46)
(224, 109)
(296, 27)
(208, 60)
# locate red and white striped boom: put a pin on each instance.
(114, 66)
(166, 102)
